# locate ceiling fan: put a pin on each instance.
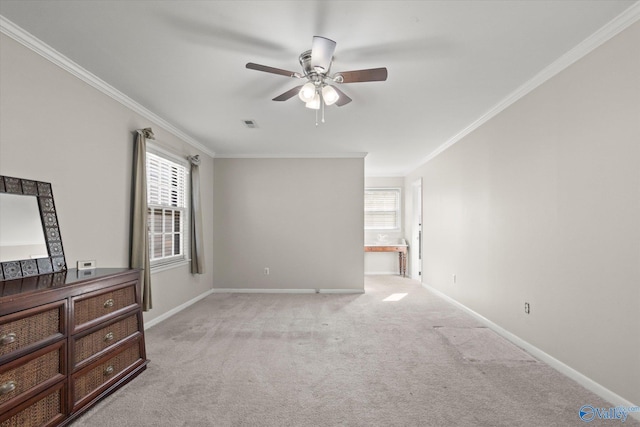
(316, 67)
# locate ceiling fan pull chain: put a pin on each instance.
(321, 104)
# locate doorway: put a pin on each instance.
(416, 231)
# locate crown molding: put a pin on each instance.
(630, 16)
(383, 175)
(28, 40)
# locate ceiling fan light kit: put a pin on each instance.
(316, 66)
(314, 104)
(329, 95)
(308, 92)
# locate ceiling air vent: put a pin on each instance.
(251, 124)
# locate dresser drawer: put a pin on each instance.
(24, 329)
(89, 382)
(41, 368)
(91, 309)
(46, 409)
(91, 344)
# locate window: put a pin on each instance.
(382, 209)
(167, 202)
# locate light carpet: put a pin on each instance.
(339, 360)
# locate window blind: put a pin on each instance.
(382, 209)
(167, 201)
(166, 183)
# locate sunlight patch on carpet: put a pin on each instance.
(395, 297)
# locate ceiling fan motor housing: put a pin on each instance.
(307, 68)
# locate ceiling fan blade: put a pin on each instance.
(343, 99)
(288, 94)
(322, 50)
(272, 70)
(369, 75)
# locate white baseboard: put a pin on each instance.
(564, 369)
(176, 310)
(286, 291)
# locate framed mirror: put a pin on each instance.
(30, 242)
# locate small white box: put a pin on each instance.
(86, 265)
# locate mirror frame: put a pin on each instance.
(55, 261)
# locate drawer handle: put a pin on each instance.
(7, 387)
(8, 338)
(109, 336)
(108, 303)
(108, 370)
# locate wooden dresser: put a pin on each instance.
(67, 340)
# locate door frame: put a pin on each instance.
(416, 230)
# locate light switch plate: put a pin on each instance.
(86, 265)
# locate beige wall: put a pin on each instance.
(301, 218)
(542, 205)
(56, 128)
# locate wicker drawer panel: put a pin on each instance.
(86, 310)
(20, 333)
(39, 413)
(29, 373)
(95, 342)
(102, 373)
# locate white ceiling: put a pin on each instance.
(449, 63)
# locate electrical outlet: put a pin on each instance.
(266, 271)
(526, 307)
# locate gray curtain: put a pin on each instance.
(197, 256)
(139, 215)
